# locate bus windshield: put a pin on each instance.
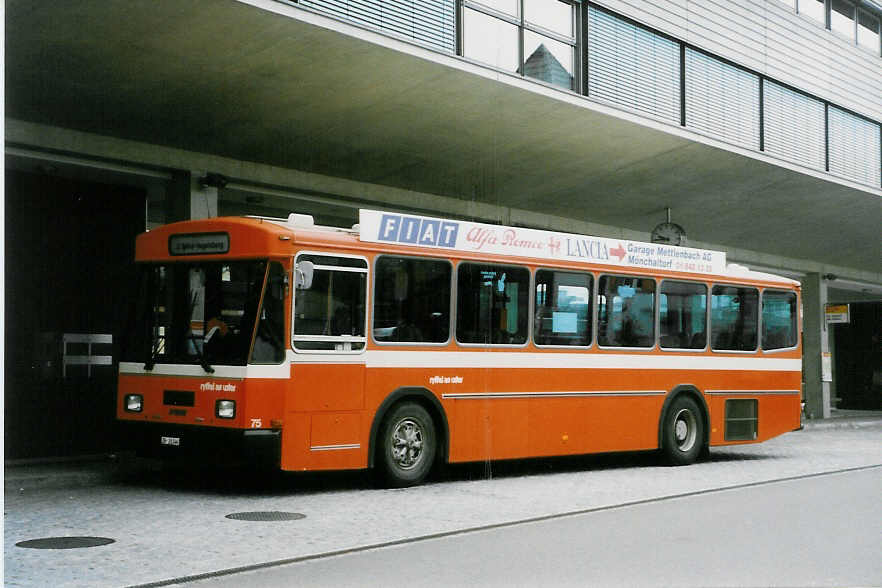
(205, 313)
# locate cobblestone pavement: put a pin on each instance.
(170, 523)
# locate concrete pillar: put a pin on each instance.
(816, 342)
(189, 197)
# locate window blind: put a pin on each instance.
(722, 100)
(632, 67)
(432, 23)
(794, 126)
(854, 147)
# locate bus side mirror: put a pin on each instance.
(303, 275)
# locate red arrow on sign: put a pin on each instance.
(618, 252)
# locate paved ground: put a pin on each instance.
(718, 538)
(169, 524)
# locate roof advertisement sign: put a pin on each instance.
(421, 231)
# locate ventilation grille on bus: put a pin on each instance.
(741, 420)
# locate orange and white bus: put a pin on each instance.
(407, 341)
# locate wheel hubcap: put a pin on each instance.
(407, 444)
(685, 428)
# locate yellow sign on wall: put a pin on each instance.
(836, 313)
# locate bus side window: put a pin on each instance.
(330, 314)
(682, 315)
(734, 318)
(779, 320)
(492, 303)
(626, 314)
(562, 313)
(411, 300)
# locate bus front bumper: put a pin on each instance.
(203, 444)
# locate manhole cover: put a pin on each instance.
(65, 542)
(266, 516)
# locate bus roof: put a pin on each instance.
(261, 236)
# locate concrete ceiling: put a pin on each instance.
(227, 78)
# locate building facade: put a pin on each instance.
(755, 124)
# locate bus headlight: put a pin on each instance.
(225, 409)
(134, 403)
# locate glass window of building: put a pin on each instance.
(842, 18)
(868, 31)
(853, 147)
(722, 100)
(490, 40)
(509, 7)
(431, 23)
(794, 125)
(814, 9)
(632, 66)
(553, 16)
(534, 38)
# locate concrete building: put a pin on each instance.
(756, 122)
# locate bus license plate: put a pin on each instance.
(176, 441)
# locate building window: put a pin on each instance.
(814, 9)
(793, 125)
(854, 147)
(632, 66)
(430, 23)
(868, 31)
(842, 18)
(490, 40)
(534, 38)
(722, 100)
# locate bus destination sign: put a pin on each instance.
(420, 231)
(198, 243)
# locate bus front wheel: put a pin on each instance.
(408, 445)
(683, 432)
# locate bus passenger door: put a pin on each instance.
(326, 398)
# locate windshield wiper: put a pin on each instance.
(192, 336)
(202, 361)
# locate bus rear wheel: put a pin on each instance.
(683, 432)
(408, 444)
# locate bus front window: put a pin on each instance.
(200, 313)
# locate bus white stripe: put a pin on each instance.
(512, 360)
